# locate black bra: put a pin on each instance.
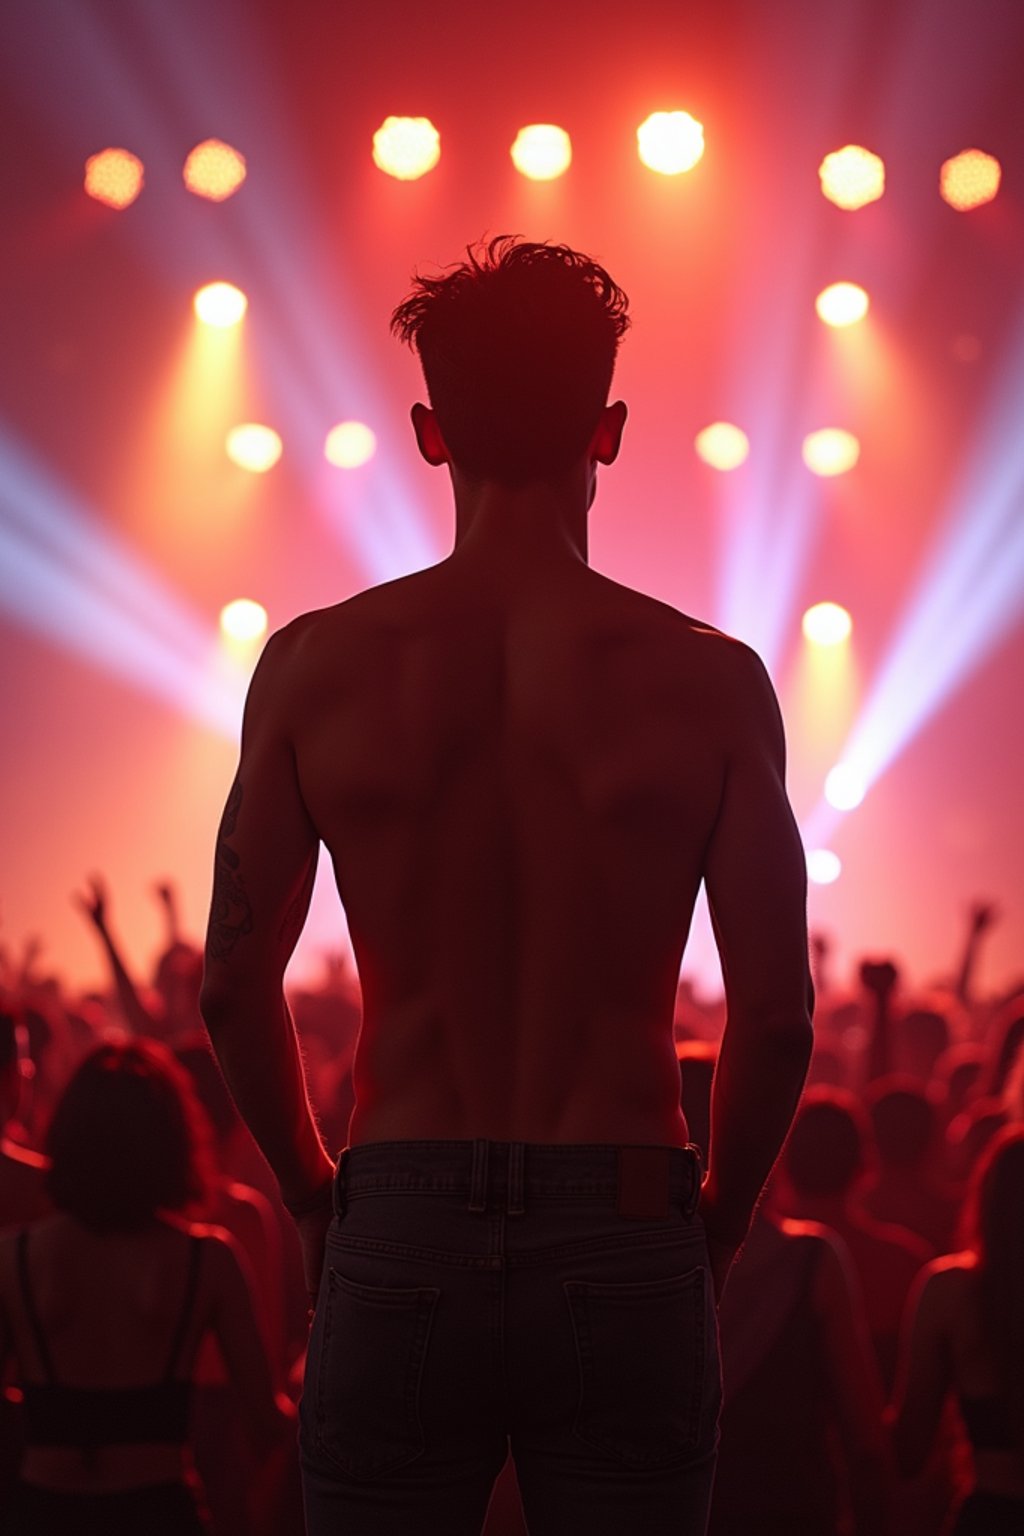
(89, 1417)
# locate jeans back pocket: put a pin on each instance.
(366, 1395)
(642, 1349)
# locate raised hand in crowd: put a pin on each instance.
(93, 902)
(879, 978)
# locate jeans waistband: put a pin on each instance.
(642, 1182)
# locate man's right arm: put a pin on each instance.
(756, 879)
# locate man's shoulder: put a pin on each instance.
(715, 646)
(372, 606)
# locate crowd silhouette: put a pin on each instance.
(153, 1316)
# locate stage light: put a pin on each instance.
(350, 444)
(406, 147)
(845, 787)
(253, 447)
(541, 152)
(670, 142)
(970, 179)
(830, 451)
(967, 593)
(220, 304)
(214, 170)
(243, 620)
(823, 866)
(66, 575)
(841, 304)
(827, 624)
(852, 177)
(722, 445)
(114, 177)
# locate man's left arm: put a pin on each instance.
(265, 863)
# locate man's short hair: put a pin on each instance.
(518, 347)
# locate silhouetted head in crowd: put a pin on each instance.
(127, 1139)
(958, 1074)
(969, 1135)
(904, 1121)
(518, 346)
(1009, 1039)
(826, 1152)
(922, 1035)
(996, 1206)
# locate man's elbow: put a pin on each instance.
(786, 1026)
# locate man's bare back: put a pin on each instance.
(516, 785)
(523, 772)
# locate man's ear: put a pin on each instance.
(428, 435)
(606, 441)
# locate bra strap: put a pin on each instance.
(191, 1284)
(30, 1308)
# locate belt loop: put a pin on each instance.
(478, 1177)
(338, 1187)
(516, 1160)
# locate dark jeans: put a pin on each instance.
(478, 1295)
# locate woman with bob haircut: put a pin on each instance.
(965, 1336)
(103, 1306)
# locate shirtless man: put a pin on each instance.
(522, 772)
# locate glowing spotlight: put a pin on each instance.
(823, 866)
(841, 304)
(845, 787)
(67, 576)
(243, 620)
(722, 445)
(541, 152)
(214, 170)
(831, 451)
(114, 177)
(827, 624)
(253, 447)
(670, 142)
(220, 304)
(852, 177)
(350, 444)
(406, 147)
(967, 593)
(970, 179)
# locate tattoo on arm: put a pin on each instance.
(231, 912)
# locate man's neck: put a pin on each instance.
(539, 524)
